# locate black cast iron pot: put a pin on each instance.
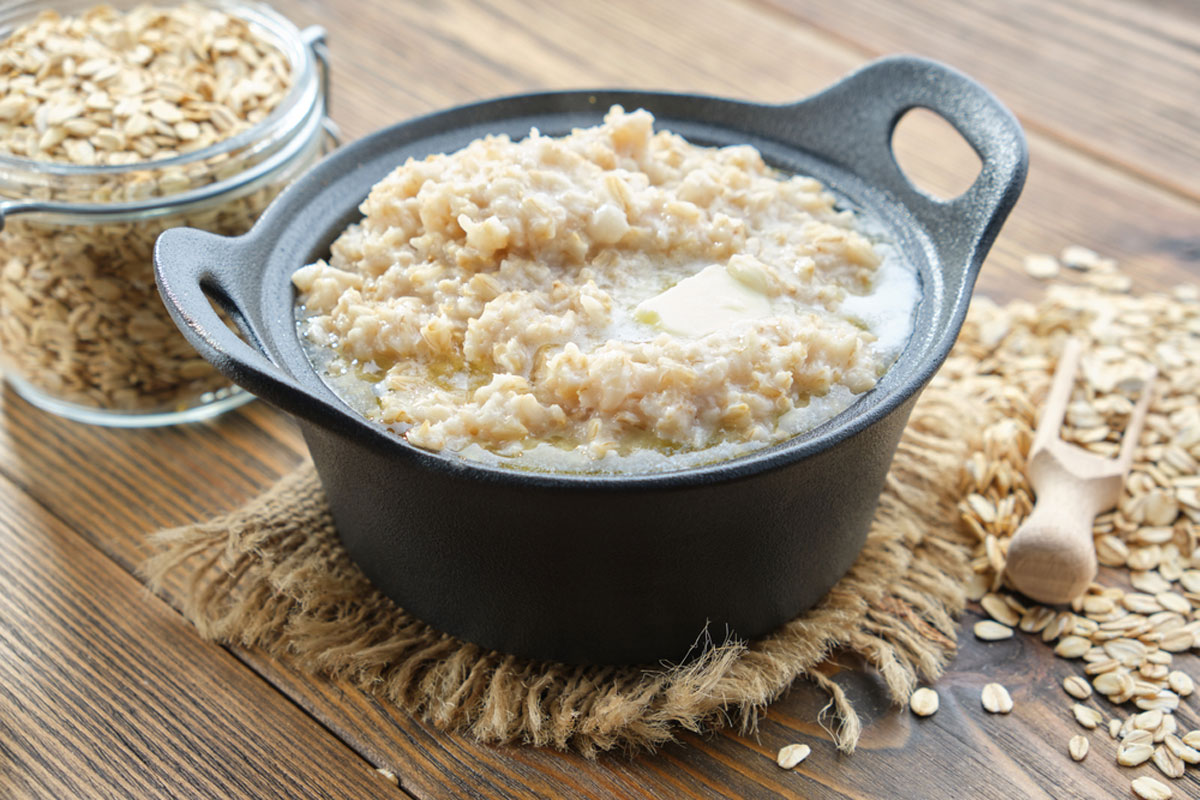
(621, 568)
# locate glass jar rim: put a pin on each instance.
(315, 125)
(296, 103)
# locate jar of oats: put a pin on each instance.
(117, 123)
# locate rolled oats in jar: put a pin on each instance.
(116, 124)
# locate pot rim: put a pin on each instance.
(1002, 151)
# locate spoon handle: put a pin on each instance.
(1051, 557)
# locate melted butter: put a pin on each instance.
(710, 300)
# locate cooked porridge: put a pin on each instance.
(616, 299)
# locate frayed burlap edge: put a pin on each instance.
(273, 575)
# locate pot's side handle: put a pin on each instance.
(852, 123)
(189, 266)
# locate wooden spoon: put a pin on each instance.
(1052, 558)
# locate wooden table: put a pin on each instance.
(105, 691)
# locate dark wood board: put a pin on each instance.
(106, 691)
(1116, 79)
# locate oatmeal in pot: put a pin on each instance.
(616, 299)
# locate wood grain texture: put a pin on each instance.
(171, 467)
(1113, 78)
(107, 692)
(483, 49)
(394, 60)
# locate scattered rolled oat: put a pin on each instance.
(1181, 640)
(1181, 683)
(923, 702)
(1041, 266)
(1130, 754)
(1113, 683)
(791, 755)
(1151, 697)
(1072, 647)
(1132, 736)
(1167, 762)
(1063, 622)
(1087, 717)
(1189, 755)
(1110, 281)
(990, 631)
(1172, 601)
(1077, 257)
(1168, 727)
(1078, 747)
(1111, 551)
(1128, 641)
(388, 776)
(996, 699)
(1147, 580)
(1137, 602)
(1037, 619)
(1147, 720)
(999, 610)
(1097, 605)
(977, 587)
(1150, 789)
(1077, 687)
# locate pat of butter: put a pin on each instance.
(708, 301)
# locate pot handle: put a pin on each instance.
(190, 266)
(852, 122)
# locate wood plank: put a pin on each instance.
(960, 747)
(486, 49)
(1118, 79)
(107, 692)
(961, 752)
(130, 485)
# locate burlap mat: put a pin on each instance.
(272, 575)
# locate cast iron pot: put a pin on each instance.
(620, 568)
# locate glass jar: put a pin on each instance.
(83, 332)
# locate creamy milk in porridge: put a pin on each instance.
(613, 300)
